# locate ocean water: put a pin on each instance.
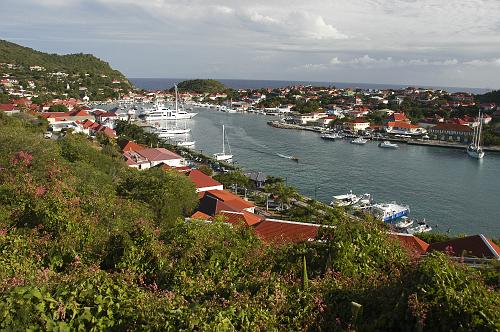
(167, 83)
(444, 186)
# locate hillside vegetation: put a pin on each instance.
(71, 63)
(201, 86)
(490, 97)
(89, 244)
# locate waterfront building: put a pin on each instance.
(397, 117)
(452, 132)
(359, 124)
(403, 128)
(304, 119)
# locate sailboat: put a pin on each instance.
(185, 143)
(222, 156)
(475, 150)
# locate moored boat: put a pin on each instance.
(389, 211)
(422, 227)
(359, 141)
(222, 156)
(388, 145)
(403, 223)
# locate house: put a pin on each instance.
(79, 115)
(204, 182)
(358, 124)
(143, 158)
(213, 201)
(107, 119)
(281, 231)
(470, 246)
(232, 217)
(135, 160)
(304, 119)
(451, 132)
(397, 117)
(8, 109)
(325, 122)
(403, 128)
(258, 178)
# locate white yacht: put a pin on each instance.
(162, 112)
(170, 132)
(388, 145)
(359, 141)
(474, 149)
(222, 156)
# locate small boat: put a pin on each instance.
(330, 136)
(222, 156)
(294, 158)
(388, 145)
(348, 199)
(405, 222)
(422, 227)
(359, 141)
(475, 150)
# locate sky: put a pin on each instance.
(414, 42)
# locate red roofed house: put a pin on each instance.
(359, 124)
(397, 117)
(149, 157)
(130, 145)
(213, 201)
(8, 109)
(451, 132)
(79, 116)
(204, 182)
(107, 119)
(470, 246)
(281, 231)
(403, 128)
(232, 217)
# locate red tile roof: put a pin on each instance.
(6, 107)
(235, 202)
(201, 180)
(248, 218)
(201, 215)
(399, 124)
(281, 231)
(470, 246)
(79, 113)
(131, 145)
(412, 243)
(158, 154)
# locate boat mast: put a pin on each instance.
(176, 105)
(479, 130)
(223, 150)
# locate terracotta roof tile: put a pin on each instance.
(280, 231)
(470, 246)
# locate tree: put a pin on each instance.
(206, 170)
(58, 108)
(169, 194)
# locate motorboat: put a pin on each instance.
(422, 227)
(403, 223)
(388, 145)
(349, 199)
(331, 136)
(359, 141)
(162, 112)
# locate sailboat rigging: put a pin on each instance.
(475, 150)
(222, 156)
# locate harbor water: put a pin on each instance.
(444, 186)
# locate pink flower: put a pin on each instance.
(22, 157)
(40, 191)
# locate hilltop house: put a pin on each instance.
(144, 158)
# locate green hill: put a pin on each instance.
(70, 63)
(201, 86)
(490, 97)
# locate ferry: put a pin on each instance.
(388, 145)
(389, 211)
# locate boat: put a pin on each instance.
(388, 145)
(389, 211)
(166, 132)
(185, 143)
(348, 199)
(422, 227)
(475, 150)
(294, 158)
(222, 156)
(162, 112)
(331, 136)
(403, 223)
(359, 141)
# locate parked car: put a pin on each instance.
(48, 134)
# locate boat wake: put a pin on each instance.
(294, 158)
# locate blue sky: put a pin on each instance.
(422, 42)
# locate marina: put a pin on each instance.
(437, 183)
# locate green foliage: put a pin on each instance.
(490, 97)
(434, 237)
(304, 107)
(58, 108)
(4, 98)
(162, 192)
(234, 178)
(88, 244)
(206, 170)
(201, 86)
